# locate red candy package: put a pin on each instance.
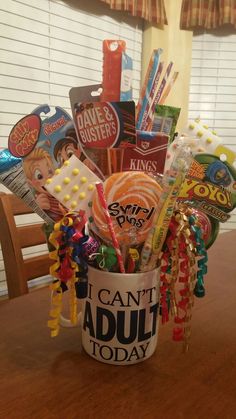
(149, 154)
(112, 65)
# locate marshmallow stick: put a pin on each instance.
(115, 243)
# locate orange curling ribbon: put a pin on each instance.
(174, 275)
(187, 257)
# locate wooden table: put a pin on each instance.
(49, 378)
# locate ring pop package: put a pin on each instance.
(112, 66)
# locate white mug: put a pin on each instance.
(120, 316)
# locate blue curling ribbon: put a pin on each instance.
(7, 160)
(81, 285)
(199, 289)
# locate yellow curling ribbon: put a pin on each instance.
(56, 306)
(56, 288)
(73, 302)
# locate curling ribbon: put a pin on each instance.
(199, 290)
(65, 238)
(182, 246)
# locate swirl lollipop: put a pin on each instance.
(132, 198)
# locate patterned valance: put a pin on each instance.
(207, 14)
(150, 10)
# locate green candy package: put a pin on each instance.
(165, 120)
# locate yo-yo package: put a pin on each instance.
(149, 155)
(44, 140)
(210, 188)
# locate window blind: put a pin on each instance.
(47, 47)
(213, 89)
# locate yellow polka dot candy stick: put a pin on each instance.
(132, 198)
(73, 185)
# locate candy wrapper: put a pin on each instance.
(73, 185)
(7, 160)
(210, 185)
(165, 120)
(201, 139)
(44, 144)
(147, 123)
(149, 87)
(12, 176)
(149, 154)
(210, 188)
(126, 78)
(113, 56)
(172, 183)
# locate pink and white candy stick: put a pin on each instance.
(168, 88)
(147, 123)
(115, 243)
(152, 94)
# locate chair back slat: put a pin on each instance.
(18, 206)
(37, 266)
(31, 235)
(19, 270)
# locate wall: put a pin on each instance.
(177, 47)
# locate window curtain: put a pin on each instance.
(150, 10)
(207, 14)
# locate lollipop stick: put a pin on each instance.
(115, 243)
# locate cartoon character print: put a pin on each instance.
(38, 167)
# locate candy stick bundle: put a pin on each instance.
(153, 92)
(151, 75)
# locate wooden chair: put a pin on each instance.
(13, 239)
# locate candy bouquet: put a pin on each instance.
(118, 197)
